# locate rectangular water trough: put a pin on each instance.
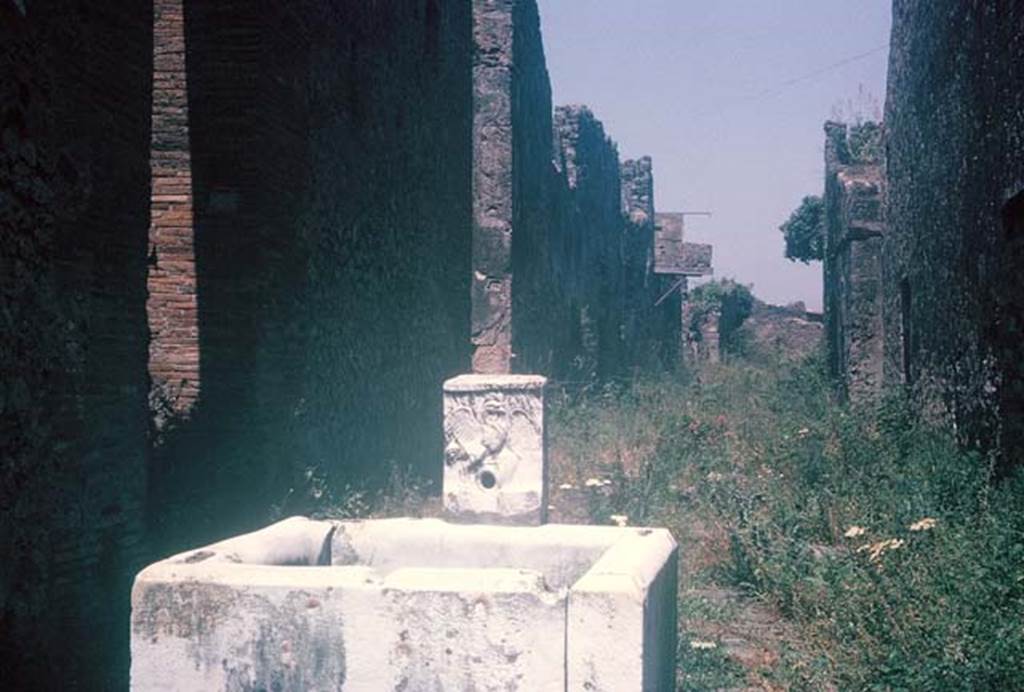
(411, 604)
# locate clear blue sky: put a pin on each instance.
(728, 97)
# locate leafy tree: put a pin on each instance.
(732, 301)
(805, 231)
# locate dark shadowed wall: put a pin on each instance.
(589, 162)
(74, 212)
(330, 153)
(652, 313)
(953, 258)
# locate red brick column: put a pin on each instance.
(171, 307)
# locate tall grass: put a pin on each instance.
(897, 558)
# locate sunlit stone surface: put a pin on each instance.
(411, 604)
(494, 465)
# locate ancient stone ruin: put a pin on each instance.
(923, 290)
(853, 256)
(676, 261)
(952, 262)
(251, 237)
(258, 237)
(425, 604)
(422, 604)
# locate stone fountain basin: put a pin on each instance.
(411, 604)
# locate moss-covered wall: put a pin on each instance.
(852, 258)
(952, 263)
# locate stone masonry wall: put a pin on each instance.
(550, 239)
(74, 211)
(542, 311)
(953, 259)
(594, 271)
(651, 329)
(852, 267)
(495, 91)
(330, 150)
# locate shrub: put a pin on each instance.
(732, 301)
(804, 231)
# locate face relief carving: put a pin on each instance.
(481, 434)
(493, 448)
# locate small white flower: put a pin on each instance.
(877, 550)
(566, 486)
(925, 524)
(619, 519)
(702, 645)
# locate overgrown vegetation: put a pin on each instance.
(890, 557)
(804, 231)
(897, 561)
(866, 142)
(732, 301)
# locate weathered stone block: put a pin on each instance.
(414, 604)
(495, 462)
(630, 591)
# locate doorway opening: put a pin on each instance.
(906, 331)
(1008, 346)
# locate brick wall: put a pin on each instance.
(171, 308)
(952, 259)
(74, 207)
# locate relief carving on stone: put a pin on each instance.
(489, 435)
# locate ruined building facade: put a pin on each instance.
(241, 245)
(852, 257)
(654, 319)
(953, 258)
(590, 260)
(675, 263)
(931, 301)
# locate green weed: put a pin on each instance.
(894, 554)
